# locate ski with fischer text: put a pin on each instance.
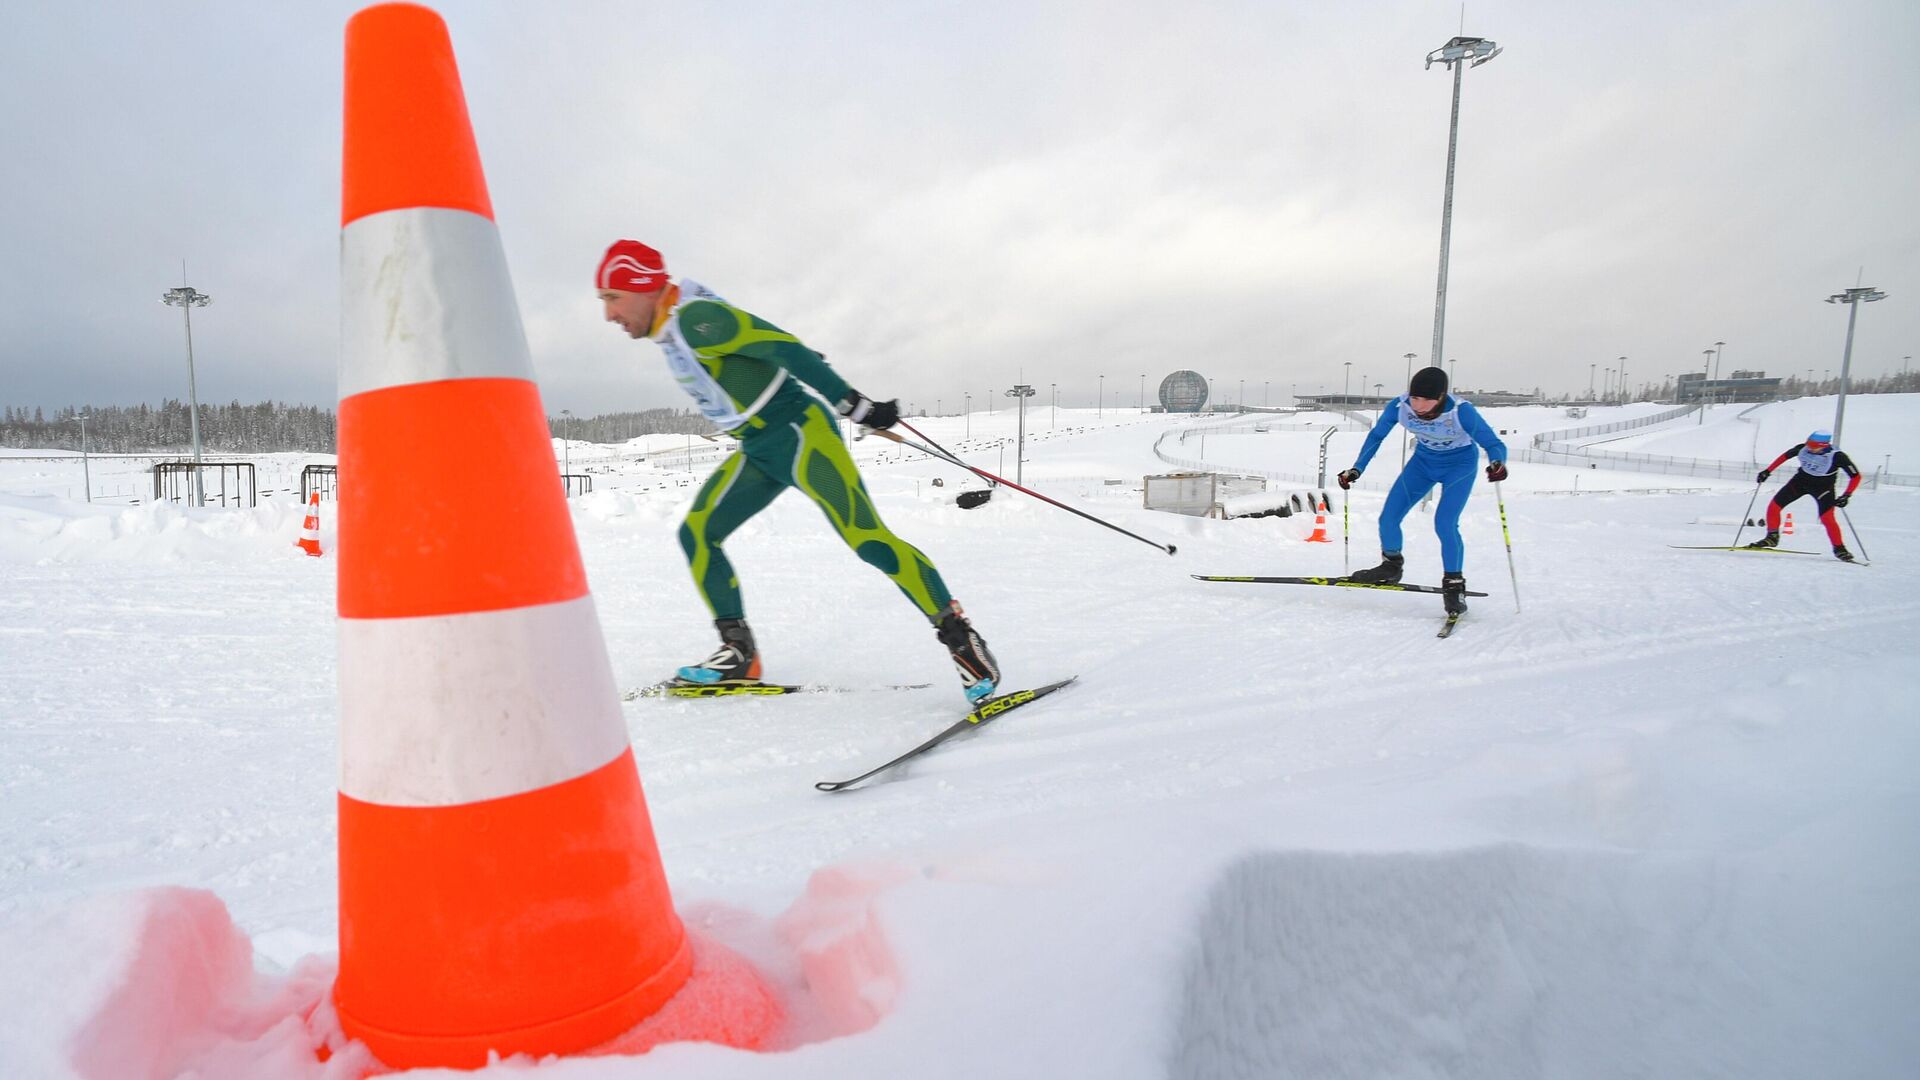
(987, 710)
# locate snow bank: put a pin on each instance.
(46, 528)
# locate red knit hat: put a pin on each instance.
(631, 266)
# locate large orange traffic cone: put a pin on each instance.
(500, 887)
(310, 528)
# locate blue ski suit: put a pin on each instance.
(1443, 454)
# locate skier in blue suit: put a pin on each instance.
(1445, 430)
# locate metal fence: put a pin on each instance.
(229, 483)
(1308, 478)
(1546, 438)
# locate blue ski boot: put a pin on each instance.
(735, 661)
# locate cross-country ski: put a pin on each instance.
(745, 688)
(1334, 582)
(988, 710)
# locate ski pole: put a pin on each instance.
(985, 475)
(1508, 537)
(1346, 533)
(1864, 557)
(1748, 516)
(964, 500)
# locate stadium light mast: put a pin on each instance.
(1623, 380)
(1406, 436)
(1023, 392)
(86, 472)
(1705, 366)
(1853, 298)
(1458, 54)
(186, 298)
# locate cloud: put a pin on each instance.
(943, 196)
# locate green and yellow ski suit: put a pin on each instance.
(746, 373)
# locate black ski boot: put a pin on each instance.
(735, 661)
(1392, 563)
(1840, 552)
(979, 672)
(1771, 540)
(1454, 593)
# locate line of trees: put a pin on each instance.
(265, 428)
(621, 426)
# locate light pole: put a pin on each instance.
(1590, 370)
(86, 472)
(1404, 434)
(1143, 393)
(1346, 382)
(969, 433)
(1706, 365)
(1455, 54)
(1853, 298)
(1053, 405)
(1021, 391)
(1102, 410)
(1622, 385)
(186, 298)
(566, 444)
(1265, 401)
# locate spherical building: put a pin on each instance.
(1183, 391)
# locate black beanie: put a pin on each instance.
(1428, 382)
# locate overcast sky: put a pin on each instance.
(942, 197)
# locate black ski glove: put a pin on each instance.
(1762, 478)
(1496, 471)
(1347, 478)
(1842, 500)
(863, 410)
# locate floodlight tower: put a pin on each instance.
(86, 471)
(1406, 436)
(1021, 391)
(1458, 54)
(1853, 298)
(186, 298)
(1706, 365)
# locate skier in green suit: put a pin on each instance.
(746, 374)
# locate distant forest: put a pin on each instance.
(268, 427)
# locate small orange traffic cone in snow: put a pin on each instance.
(1786, 527)
(310, 528)
(1319, 524)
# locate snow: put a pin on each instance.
(1657, 823)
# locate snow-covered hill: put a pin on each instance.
(1658, 822)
